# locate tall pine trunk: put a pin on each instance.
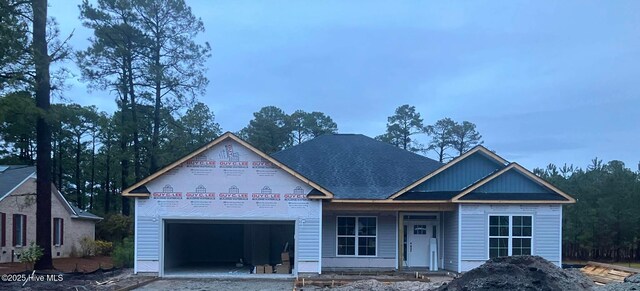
(107, 183)
(124, 164)
(156, 119)
(134, 121)
(79, 200)
(93, 168)
(43, 134)
(124, 159)
(60, 164)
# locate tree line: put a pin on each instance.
(145, 52)
(604, 223)
(448, 138)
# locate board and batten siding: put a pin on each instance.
(450, 222)
(386, 243)
(461, 175)
(512, 182)
(474, 218)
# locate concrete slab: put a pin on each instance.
(219, 284)
(220, 272)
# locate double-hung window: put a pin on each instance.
(3, 229)
(510, 235)
(58, 231)
(356, 236)
(19, 230)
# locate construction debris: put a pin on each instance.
(519, 273)
(602, 273)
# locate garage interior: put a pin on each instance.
(225, 247)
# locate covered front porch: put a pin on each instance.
(359, 236)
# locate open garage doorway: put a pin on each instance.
(227, 247)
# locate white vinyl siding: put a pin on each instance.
(386, 249)
(474, 230)
(450, 230)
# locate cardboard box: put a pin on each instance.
(283, 269)
(268, 269)
(284, 256)
(260, 269)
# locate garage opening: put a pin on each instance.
(228, 247)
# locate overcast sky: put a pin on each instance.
(545, 81)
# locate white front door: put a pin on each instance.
(418, 235)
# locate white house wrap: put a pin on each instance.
(227, 182)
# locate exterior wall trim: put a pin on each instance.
(459, 238)
(135, 236)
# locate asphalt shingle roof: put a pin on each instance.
(354, 166)
(84, 214)
(12, 176)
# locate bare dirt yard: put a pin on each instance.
(110, 280)
(66, 265)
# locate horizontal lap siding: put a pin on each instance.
(328, 236)
(547, 231)
(148, 238)
(308, 244)
(547, 236)
(474, 237)
(387, 236)
(451, 240)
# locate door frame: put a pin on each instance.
(401, 222)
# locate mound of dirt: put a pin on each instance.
(630, 283)
(519, 273)
(633, 279)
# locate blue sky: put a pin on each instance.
(545, 81)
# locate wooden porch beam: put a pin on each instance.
(390, 206)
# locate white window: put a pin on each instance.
(510, 235)
(3, 229)
(19, 230)
(58, 231)
(356, 236)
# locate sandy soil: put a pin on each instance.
(66, 265)
(114, 280)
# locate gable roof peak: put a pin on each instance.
(520, 169)
(227, 135)
(477, 149)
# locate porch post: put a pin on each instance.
(400, 239)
